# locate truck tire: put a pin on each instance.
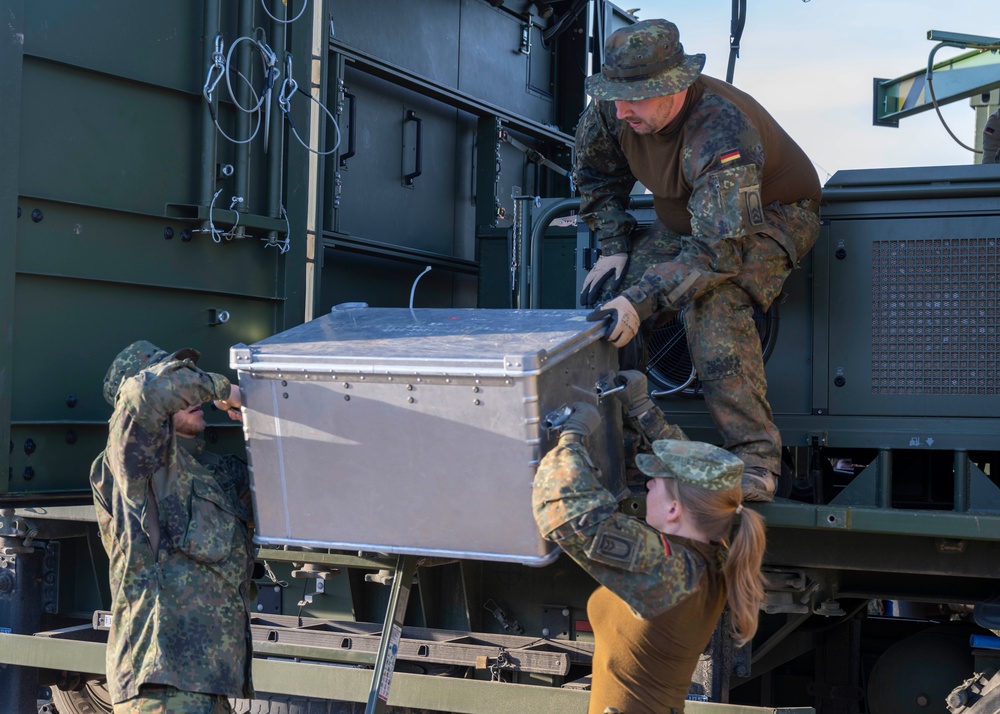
(290, 705)
(92, 699)
(916, 674)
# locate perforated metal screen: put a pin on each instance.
(935, 316)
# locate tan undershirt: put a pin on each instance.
(656, 159)
(645, 666)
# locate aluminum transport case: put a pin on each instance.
(418, 431)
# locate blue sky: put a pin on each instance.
(811, 64)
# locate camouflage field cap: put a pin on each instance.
(692, 462)
(644, 60)
(135, 358)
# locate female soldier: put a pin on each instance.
(664, 581)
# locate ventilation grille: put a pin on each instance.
(935, 316)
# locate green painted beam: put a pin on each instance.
(338, 560)
(347, 683)
(320, 654)
(52, 653)
(956, 78)
(941, 524)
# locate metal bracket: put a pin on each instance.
(556, 622)
(320, 590)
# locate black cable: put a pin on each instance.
(736, 26)
(562, 24)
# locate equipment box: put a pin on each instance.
(418, 431)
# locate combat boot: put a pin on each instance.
(758, 484)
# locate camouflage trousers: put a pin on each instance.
(161, 699)
(722, 338)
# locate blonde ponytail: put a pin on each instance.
(743, 575)
(712, 513)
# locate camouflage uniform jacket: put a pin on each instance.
(632, 559)
(712, 165)
(177, 535)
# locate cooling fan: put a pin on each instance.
(670, 366)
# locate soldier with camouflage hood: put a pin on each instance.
(175, 524)
(664, 581)
(736, 204)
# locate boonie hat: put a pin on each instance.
(644, 60)
(135, 358)
(692, 462)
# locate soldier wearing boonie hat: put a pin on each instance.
(174, 521)
(736, 204)
(646, 61)
(664, 580)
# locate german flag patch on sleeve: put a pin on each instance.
(730, 156)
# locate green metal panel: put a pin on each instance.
(158, 44)
(99, 141)
(383, 281)
(496, 67)
(913, 309)
(375, 202)
(468, 46)
(11, 49)
(558, 277)
(78, 242)
(449, 85)
(68, 331)
(106, 165)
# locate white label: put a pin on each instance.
(390, 663)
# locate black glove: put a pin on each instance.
(604, 268)
(624, 320)
(635, 397)
(583, 421)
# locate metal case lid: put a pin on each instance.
(426, 341)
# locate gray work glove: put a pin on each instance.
(635, 397)
(600, 276)
(583, 421)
